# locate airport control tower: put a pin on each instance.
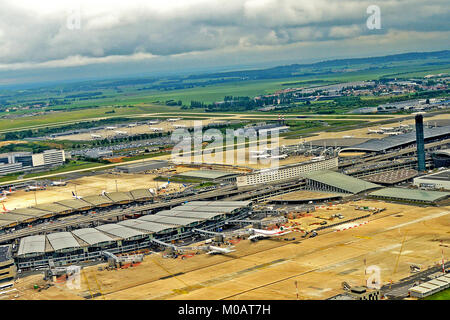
(420, 143)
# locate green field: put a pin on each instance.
(443, 295)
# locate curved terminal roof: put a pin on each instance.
(141, 194)
(120, 196)
(150, 227)
(391, 142)
(32, 212)
(76, 204)
(92, 236)
(177, 221)
(340, 181)
(120, 231)
(32, 245)
(410, 194)
(98, 200)
(62, 240)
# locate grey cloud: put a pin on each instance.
(27, 38)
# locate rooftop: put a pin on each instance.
(120, 231)
(206, 174)
(341, 181)
(410, 194)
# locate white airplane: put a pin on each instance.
(157, 129)
(263, 234)
(132, 125)
(152, 191)
(386, 128)
(59, 183)
(121, 132)
(75, 196)
(395, 133)
(375, 131)
(404, 125)
(29, 188)
(219, 250)
(3, 199)
(111, 128)
(153, 122)
(348, 137)
(96, 136)
(10, 191)
(179, 126)
(173, 119)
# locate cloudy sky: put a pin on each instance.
(63, 40)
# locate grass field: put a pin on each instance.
(443, 295)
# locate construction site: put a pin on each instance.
(309, 229)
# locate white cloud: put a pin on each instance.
(34, 34)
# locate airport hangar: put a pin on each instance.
(392, 143)
(128, 235)
(46, 211)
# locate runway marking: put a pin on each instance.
(432, 216)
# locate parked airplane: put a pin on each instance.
(5, 192)
(121, 132)
(262, 234)
(395, 133)
(75, 196)
(111, 128)
(173, 119)
(96, 136)
(3, 199)
(132, 125)
(386, 128)
(281, 156)
(157, 129)
(348, 137)
(59, 183)
(153, 122)
(219, 250)
(375, 131)
(30, 188)
(4, 208)
(179, 126)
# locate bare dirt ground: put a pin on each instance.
(87, 186)
(268, 269)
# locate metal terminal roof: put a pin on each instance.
(53, 207)
(206, 174)
(98, 201)
(62, 240)
(120, 196)
(378, 145)
(120, 231)
(92, 236)
(149, 227)
(32, 212)
(32, 245)
(410, 194)
(77, 204)
(178, 221)
(340, 181)
(141, 194)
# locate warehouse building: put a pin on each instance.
(142, 166)
(410, 195)
(438, 181)
(330, 181)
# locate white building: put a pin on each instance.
(285, 172)
(49, 158)
(440, 180)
